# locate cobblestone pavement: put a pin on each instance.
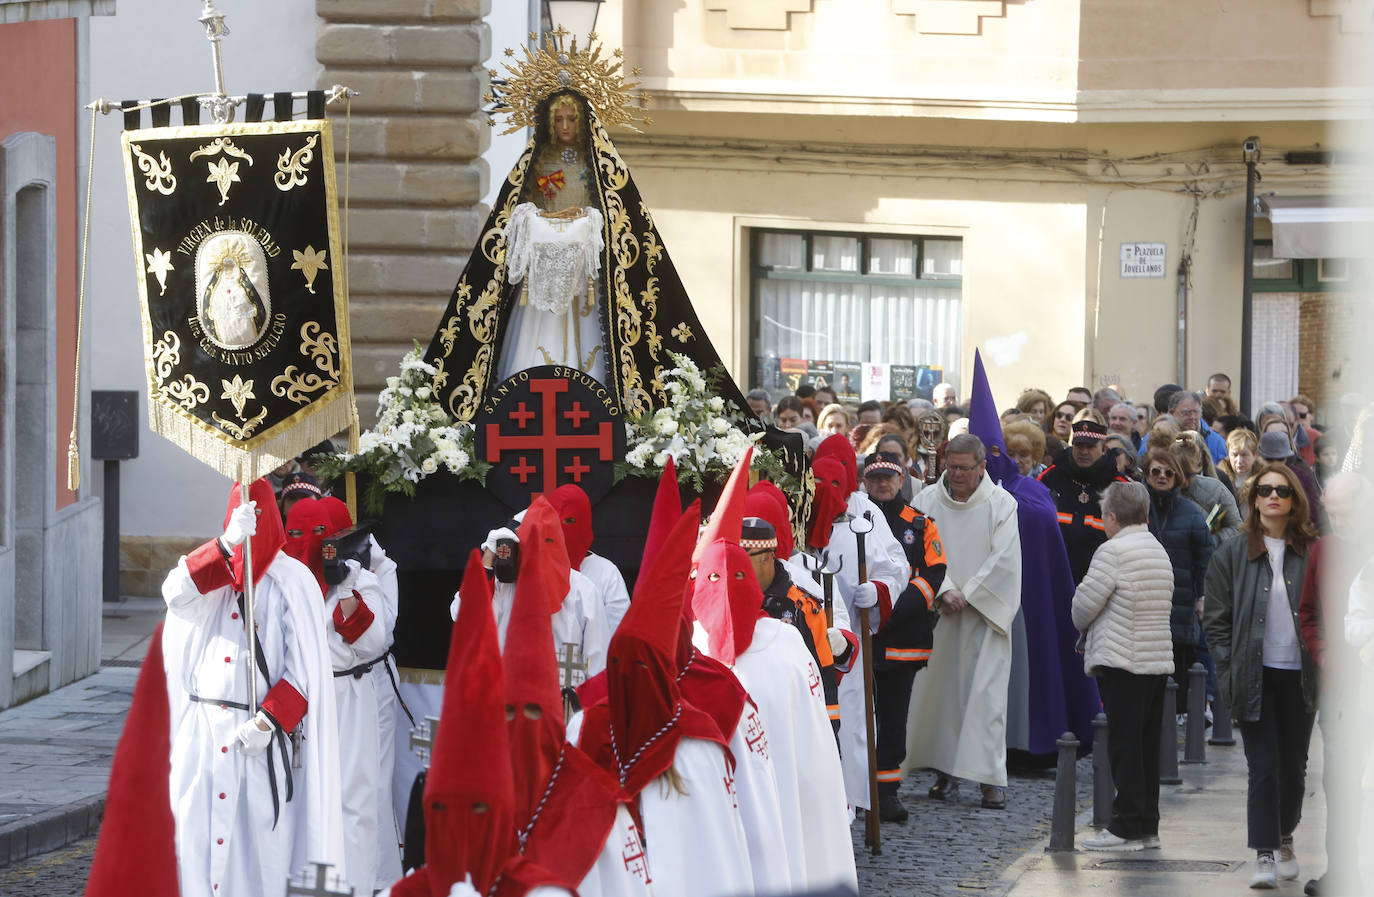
(61, 873)
(960, 848)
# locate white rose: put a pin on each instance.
(393, 382)
(422, 392)
(408, 416)
(720, 426)
(403, 390)
(667, 426)
(716, 404)
(429, 465)
(661, 459)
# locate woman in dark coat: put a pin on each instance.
(1179, 525)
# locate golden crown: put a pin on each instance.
(556, 67)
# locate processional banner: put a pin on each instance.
(241, 286)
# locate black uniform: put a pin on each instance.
(783, 600)
(901, 646)
(1077, 495)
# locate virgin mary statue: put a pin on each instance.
(569, 269)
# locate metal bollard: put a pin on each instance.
(1065, 796)
(1221, 723)
(1168, 736)
(1195, 736)
(1104, 790)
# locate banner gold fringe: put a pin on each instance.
(219, 452)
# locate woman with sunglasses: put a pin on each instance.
(1059, 423)
(1252, 589)
(1179, 525)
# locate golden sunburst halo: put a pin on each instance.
(561, 65)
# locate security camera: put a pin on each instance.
(1250, 149)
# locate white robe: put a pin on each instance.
(555, 320)
(887, 564)
(782, 679)
(580, 621)
(360, 757)
(957, 722)
(610, 586)
(220, 798)
(802, 579)
(696, 842)
(622, 869)
(389, 825)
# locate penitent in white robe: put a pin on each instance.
(360, 765)
(554, 321)
(887, 564)
(782, 679)
(957, 723)
(389, 825)
(696, 841)
(221, 800)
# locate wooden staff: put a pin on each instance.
(872, 834)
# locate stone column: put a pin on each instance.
(418, 176)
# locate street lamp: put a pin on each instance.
(576, 17)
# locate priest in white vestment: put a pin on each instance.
(957, 723)
(232, 768)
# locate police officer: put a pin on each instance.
(905, 634)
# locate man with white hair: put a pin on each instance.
(943, 395)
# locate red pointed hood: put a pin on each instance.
(308, 524)
(729, 512)
(534, 704)
(635, 734)
(766, 501)
(837, 446)
(470, 791)
(269, 538)
(728, 599)
(575, 513)
(137, 846)
(338, 512)
(667, 512)
(830, 501)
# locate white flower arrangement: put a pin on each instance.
(414, 438)
(699, 430)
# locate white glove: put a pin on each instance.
(499, 533)
(252, 739)
(838, 643)
(865, 595)
(243, 522)
(350, 580)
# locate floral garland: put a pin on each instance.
(703, 434)
(414, 438)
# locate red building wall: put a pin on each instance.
(38, 75)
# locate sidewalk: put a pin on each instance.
(55, 750)
(1202, 828)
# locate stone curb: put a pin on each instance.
(51, 829)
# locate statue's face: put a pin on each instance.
(565, 124)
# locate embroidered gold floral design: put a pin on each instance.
(166, 355)
(319, 347)
(224, 173)
(297, 385)
(160, 177)
(243, 432)
(291, 167)
(682, 332)
(159, 263)
(309, 262)
(238, 391)
(188, 392)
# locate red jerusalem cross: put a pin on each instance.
(633, 855)
(548, 442)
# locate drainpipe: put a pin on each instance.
(1251, 150)
(1184, 264)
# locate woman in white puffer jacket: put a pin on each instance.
(1123, 606)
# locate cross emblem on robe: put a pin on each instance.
(320, 887)
(570, 661)
(422, 738)
(546, 444)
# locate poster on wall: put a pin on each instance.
(848, 375)
(876, 384)
(927, 378)
(902, 381)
